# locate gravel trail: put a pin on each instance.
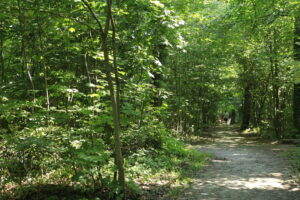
(243, 169)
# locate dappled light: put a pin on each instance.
(243, 171)
(237, 183)
(149, 99)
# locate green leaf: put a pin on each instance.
(72, 30)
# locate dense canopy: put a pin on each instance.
(97, 96)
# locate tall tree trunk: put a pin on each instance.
(2, 65)
(86, 65)
(246, 109)
(46, 86)
(24, 63)
(232, 116)
(157, 77)
(44, 66)
(262, 101)
(296, 99)
(276, 113)
(117, 79)
(178, 78)
(296, 107)
(23, 48)
(103, 33)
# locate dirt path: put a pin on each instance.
(243, 170)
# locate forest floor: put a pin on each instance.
(243, 168)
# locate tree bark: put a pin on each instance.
(277, 113)
(23, 48)
(246, 109)
(117, 79)
(87, 68)
(232, 116)
(157, 79)
(2, 66)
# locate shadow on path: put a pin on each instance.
(243, 169)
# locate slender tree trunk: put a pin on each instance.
(86, 65)
(42, 49)
(119, 159)
(296, 107)
(178, 78)
(24, 62)
(118, 152)
(46, 86)
(2, 65)
(23, 48)
(103, 32)
(157, 79)
(117, 79)
(276, 113)
(276, 98)
(246, 109)
(262, 102)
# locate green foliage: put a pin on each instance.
(294, 158)
(172, 157)
(295, 155)
(175, 66)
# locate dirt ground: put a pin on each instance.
(243, 169)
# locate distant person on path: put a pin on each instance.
(226, 117)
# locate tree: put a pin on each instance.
(103, 37)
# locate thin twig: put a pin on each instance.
(94, 16)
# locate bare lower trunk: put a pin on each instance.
(87, 69)
(277, 116)
(2, 66)
(246, 110)
(117, 80)
(118, 152)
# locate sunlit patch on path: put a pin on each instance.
(243, 170)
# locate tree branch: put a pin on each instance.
(109, 15)
(94, 16)
(59, 15)
(71, 18)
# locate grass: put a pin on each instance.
(294, 158)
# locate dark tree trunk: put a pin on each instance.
(297, 107)
(157, 79)
(277, 114)
(157, 101)
(1, 57)
(246, 109)
(116, 71)
(232, 116)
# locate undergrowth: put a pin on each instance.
(86, 172)
(166, 171)
(294, 157)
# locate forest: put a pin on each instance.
(100, 98)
